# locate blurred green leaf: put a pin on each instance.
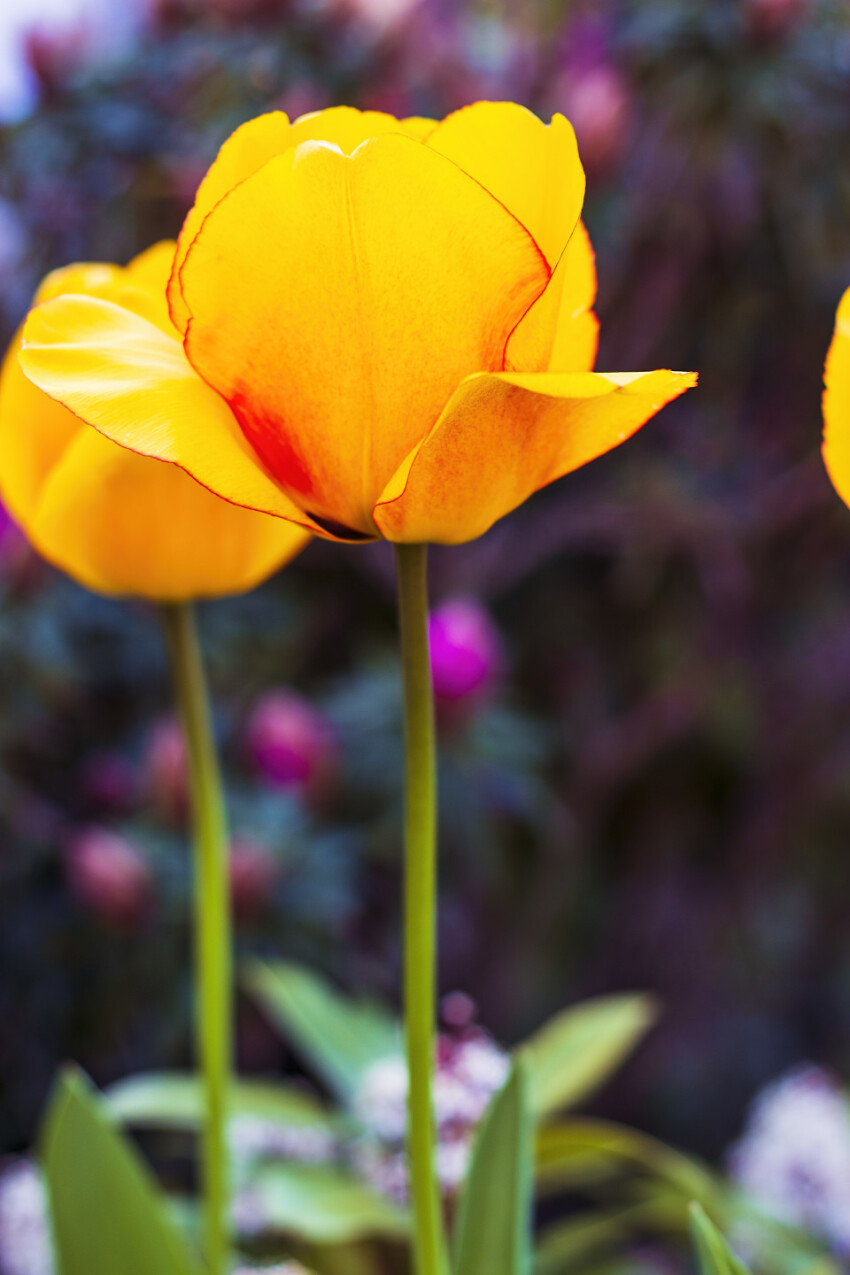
(339, 1036)
(577, 1150)
(493, 1235)
(597, 1236)
(714, 1254)
(107, 1213)
(578, 1049)
(174, 1100)
(323, 1205)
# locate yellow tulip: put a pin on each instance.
(119, 522)
(836, 403)
(397, 315)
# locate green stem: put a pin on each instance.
(420, 906)
(212, 926)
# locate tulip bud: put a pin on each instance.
(110, 877)
(596, 102)
(253, 876)
(290, 743)
(165, 769)
(466, 651)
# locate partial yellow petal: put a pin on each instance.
(149, 273)
(253, 145)
(836, 403)
(419, 126)
(346, 127)
(34, 432)
(91, 278)
(531, 167)
(140, 285)
(124, 524)
(338, 301)
(503, 436)
(244, 152)
(560, 332)
(127, 378)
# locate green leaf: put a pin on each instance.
(493, 1234)
(714, 1254)
(578, 1049)
(579, 1150)
(323, 1205)
(108, 1215)
(174, 1100)
(340, 1037)
(598, 1235)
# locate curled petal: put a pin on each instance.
(560, 332)
(531, 167)
(120, 373)
(503, 436)
(836, 403)
(415, 278)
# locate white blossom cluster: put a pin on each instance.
(794, 1156)
(282, 1268)
(25, 1245)
(469, 1072)
(252, 1138)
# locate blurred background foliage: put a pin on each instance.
(647, 784)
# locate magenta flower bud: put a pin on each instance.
(596, 102)
(291, 744)
(165, 775)
(253, 876)
(110, 877)
(466, 650)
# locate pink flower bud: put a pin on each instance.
(290, 743)
(466, 650)
(596, 102)
(770, 19)
(253, 875)
(109, 877)
(165, 769)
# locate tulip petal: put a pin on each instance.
(503, 436)
(418, 126)
(28, 455)
(531, 167)
(836, 403)
(337, 302)
(560, 332)
(211, 547)
(256, 142)
(245, 151)
(127, 378)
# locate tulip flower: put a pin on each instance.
(387, 332)
(118, 522)
(393, 318)
(836, 403)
